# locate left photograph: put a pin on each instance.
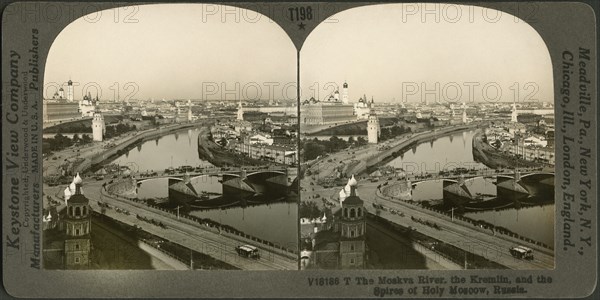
(170, 141)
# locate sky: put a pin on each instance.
(396, 51)
(173, 51)
(390, 52)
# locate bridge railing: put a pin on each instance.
(503, 232)
(216, 227)
(204, 170)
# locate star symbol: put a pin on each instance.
(301, 26)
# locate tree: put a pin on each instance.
(86, 139)
(361, 141)
(351, 140)
(312, 150)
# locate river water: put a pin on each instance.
(445, 153)
(455, 150)
(173, 150)
(275, 222)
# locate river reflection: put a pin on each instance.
(433, 189)
(534, 222)
(445, 153)
(173, 150)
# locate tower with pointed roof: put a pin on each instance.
(240, 112)
(70, 90)
(98, 127)
(77, 226)
(352, 227)
(189, 114)
(373, 128)
(345, 93)
(513, 115)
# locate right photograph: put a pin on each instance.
(426, 141)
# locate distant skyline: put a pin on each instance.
(379, 50)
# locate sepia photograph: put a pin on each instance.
(299, 150)
(427, 141)
(170, 142)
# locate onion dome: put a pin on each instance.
(47, 218)
(352, 181)
(343, 195)
(77, 179)
(353, 199)
(68, 194)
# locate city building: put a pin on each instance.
(87, 106)
(333, 111)
(283, 154)
(361, 108)
(57, 111)
(326, 113)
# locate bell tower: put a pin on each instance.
(77, 226)
(70, 90)
(240, 112)
(345, 93)
(352, 227)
